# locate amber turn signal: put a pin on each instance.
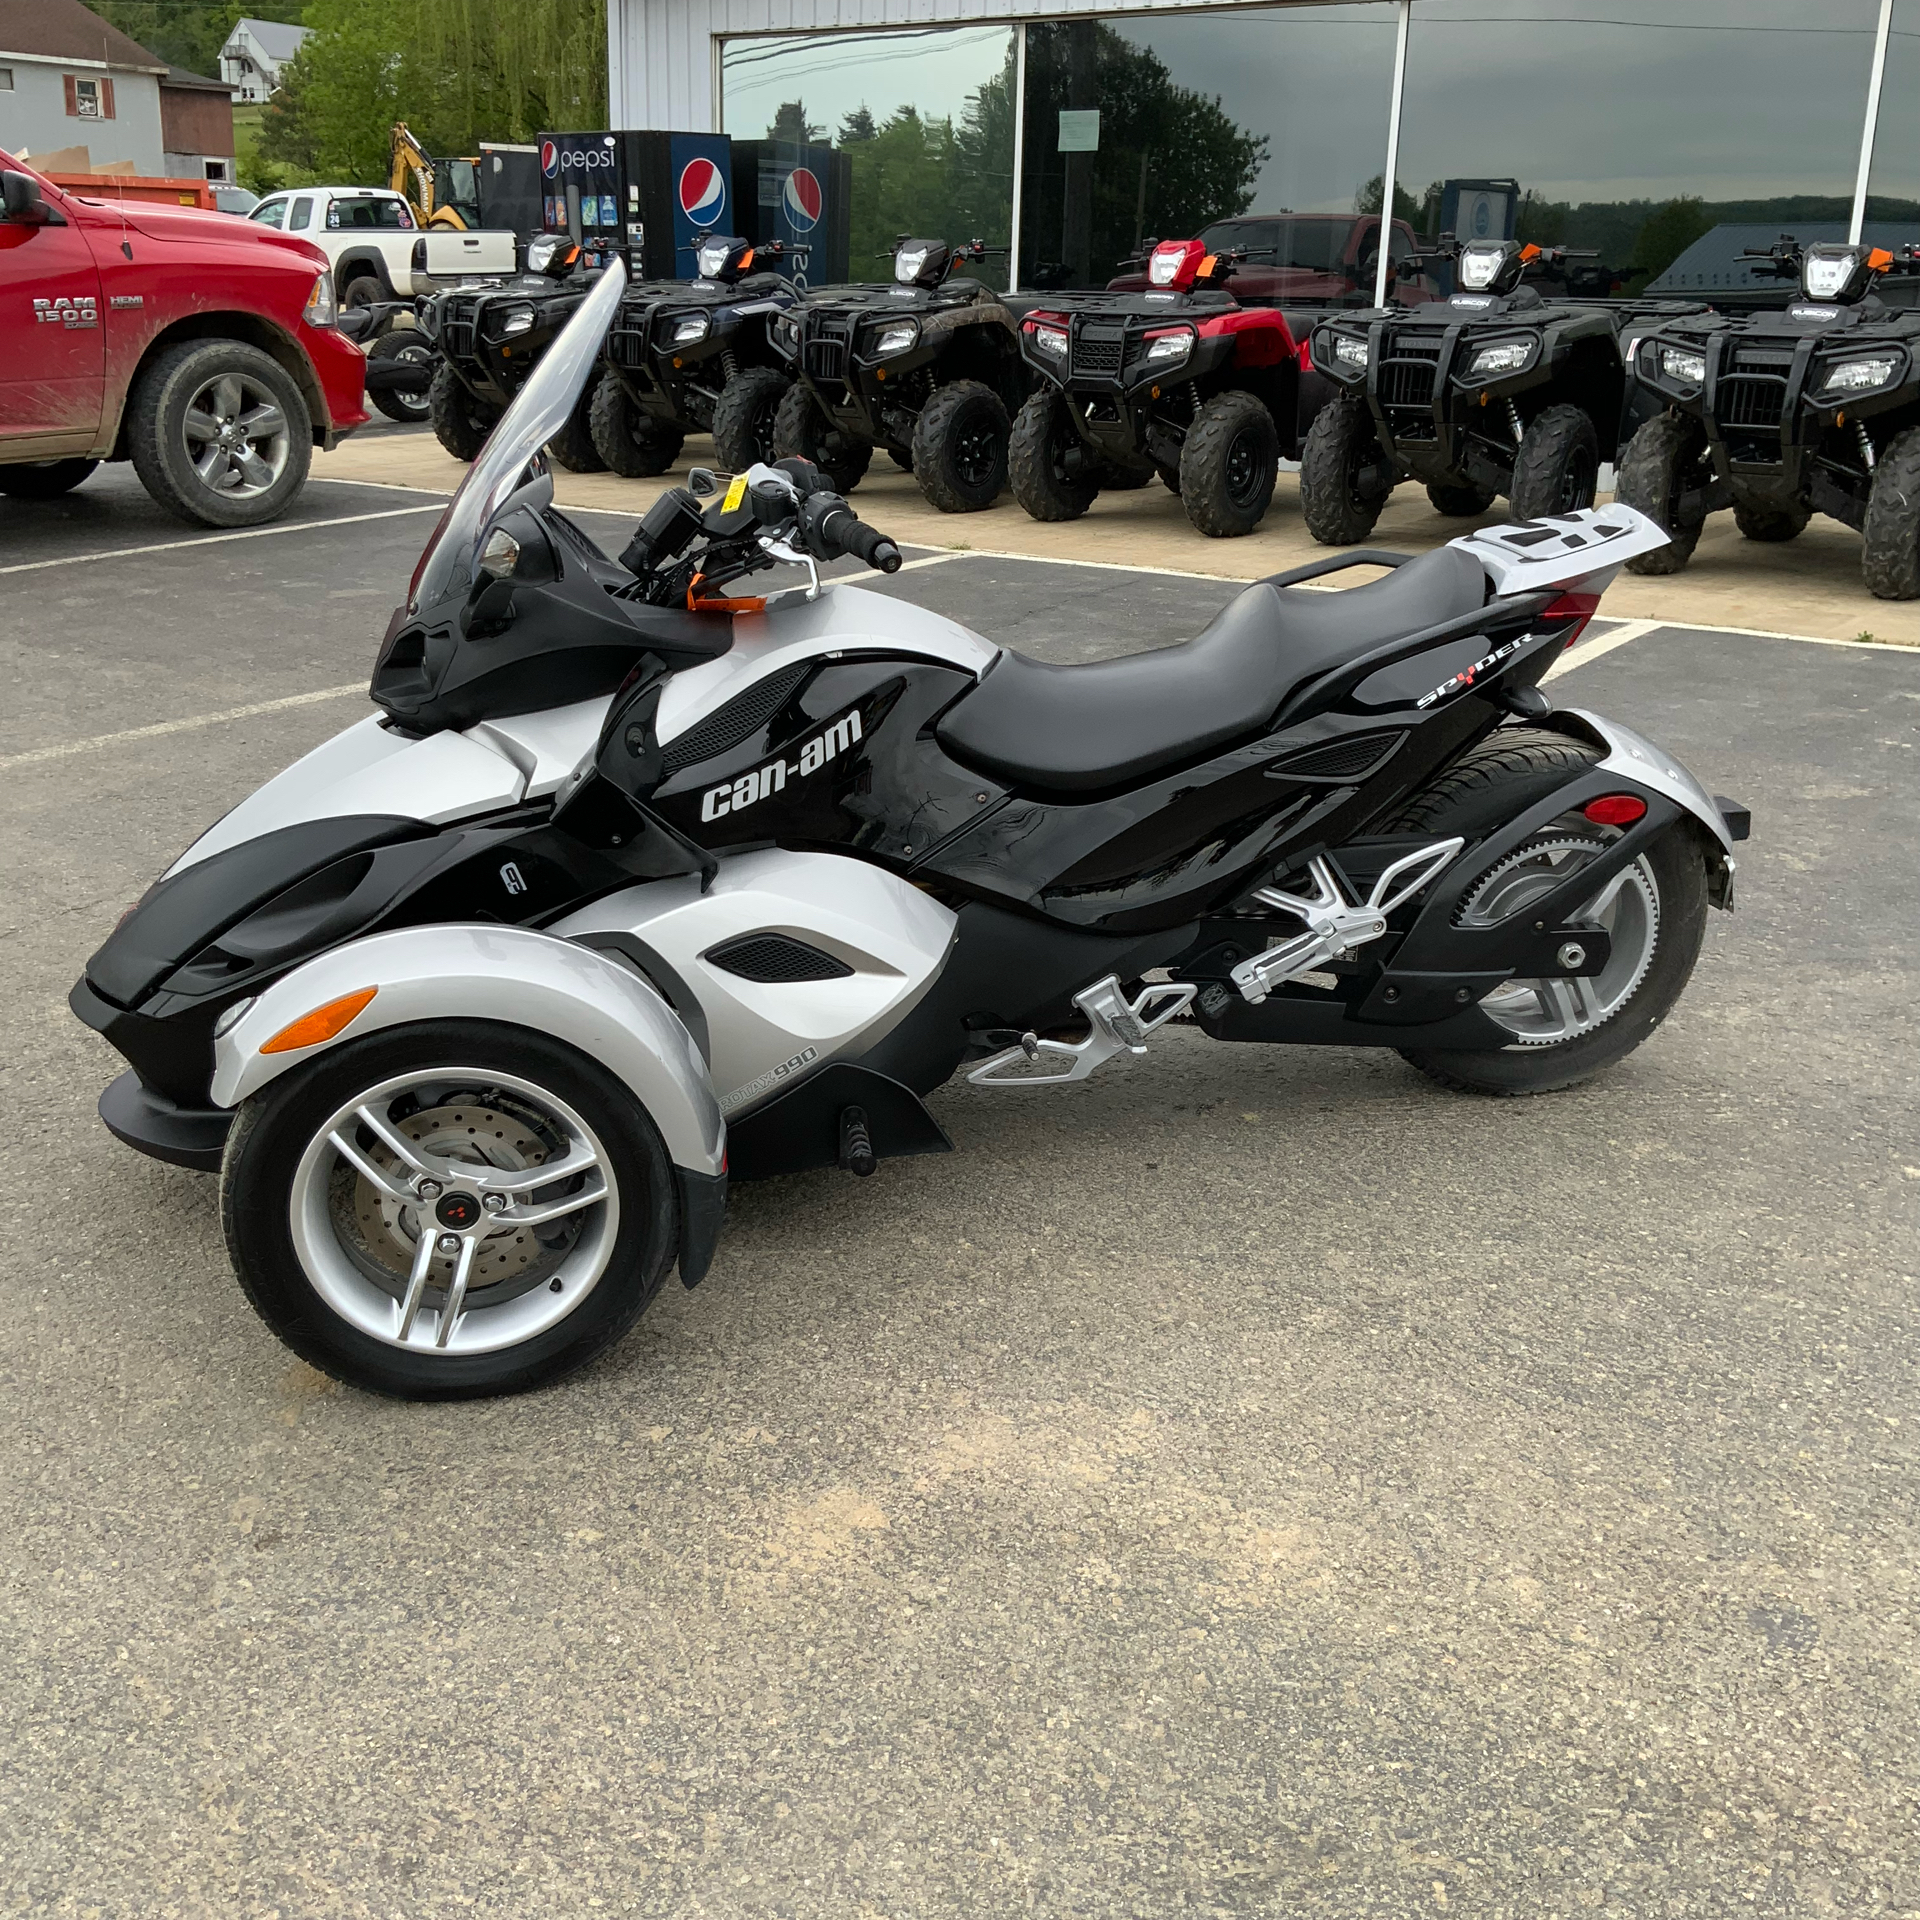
(312, 1029)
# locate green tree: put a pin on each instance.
(790, 123)
(858, 125)
(1667, 233)
(190, 33)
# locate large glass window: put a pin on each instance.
(1893, 187)
(1664, 138)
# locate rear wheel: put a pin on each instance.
(1459, 503)
(1563, 1031)
(1345, 478)
(743, 418)
(1228, 465)
(572, 447)
(627, 438)
(960, 447)
(1769, 523)
(390, 1216)
(44, 479)
(1666, 460)
(801, 430)
(363, 290)
(1037, 460)
(1557, 468)
(1892, 559)
(405, 348)
(461, 422)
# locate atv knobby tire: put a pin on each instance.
(802, 431)
(1557, 467)
(1036, 452)
(743, 417)
(1228, 465)
(1341, 445)
(409, 345)
(1769, 523)
(1659, 461)
(960, 447)
(1891, 562)
(1459, 503)
(460, 422)
(572, 447)
(627, 438)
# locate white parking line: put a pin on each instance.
(187, 725)
(214, 539)
(1627, 630)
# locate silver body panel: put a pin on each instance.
(1635, 757)
(1578, 552)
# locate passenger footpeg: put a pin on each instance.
(1334, 927)
(1116, 1025)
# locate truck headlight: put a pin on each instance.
(1169, 349)
(689, 328)
(1858, 376)
(1050, 340)
(1508, 356)
(1683, 368)
(520, 320)
(898, 337)
(1350, 352)
(320, 310)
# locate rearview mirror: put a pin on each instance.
(23, 201)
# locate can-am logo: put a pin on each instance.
(717, 802)
(703, 191)
(803, 199)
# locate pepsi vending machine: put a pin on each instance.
(645, 196)
(798, 195)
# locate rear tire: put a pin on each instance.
(1891, 562)
(960, 447)
(461, 423)
(802, 431)
(743, 418)
(1459, 503)
(1228, 465)
(1036, 452)
(44, 479)
(363, 290)
(572, 447)
(1341, 446)
(625, 437)
(1769, 524)
(1557, 468)
(1666, 458)
(409, 347)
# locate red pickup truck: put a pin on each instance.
(196, 345)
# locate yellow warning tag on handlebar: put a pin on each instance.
(735, 494)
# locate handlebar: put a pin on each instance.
(835, 530)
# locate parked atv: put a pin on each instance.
(1176, 379)
(927, 367)
(693, 357)
(491, 337)
(1494, 390)
(400, 359)
(1781, 415)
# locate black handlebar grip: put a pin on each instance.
(847, 534)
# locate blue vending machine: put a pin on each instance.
(644, 195)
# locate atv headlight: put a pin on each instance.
(319, 310)
(1683, 368)
(1859, 376)
(1478, 266)
(1507, 356)
(541, 250)
(1825, 271)
(689, 328)
(517, 320)
(1350, 352)
(908, 262)
(784, 331)
(712, 257)
(1169, 349)
(898, 337)
(1050, 340)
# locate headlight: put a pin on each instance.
(1351, 352)
(1169, 349)
(541, 249)
(908, 262)
(520, 320)
(1858, 376)
(1684, 368)
(785, 331)
(898, 337)
(712, 257)
(1507, 357)
(319, 310)
(1051, 340)
(689, 328)
(1824, 272)
(1478, 266)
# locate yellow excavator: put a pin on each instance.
(443, 193)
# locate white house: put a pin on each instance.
(255, 53)
(68, 79)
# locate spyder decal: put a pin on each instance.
(1465, 678)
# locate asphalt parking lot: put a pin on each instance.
(1254, 1483)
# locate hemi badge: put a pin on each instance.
(128, 300)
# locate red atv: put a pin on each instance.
(1176, 378)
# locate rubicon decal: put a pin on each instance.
(1468, 675)
(736, 795)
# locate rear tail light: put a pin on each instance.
(1615, 810)
(1577, 607)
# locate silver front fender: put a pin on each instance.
(507, 974)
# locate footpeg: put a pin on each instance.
(856, 1143)
(1116, 1025)
(1334, 926)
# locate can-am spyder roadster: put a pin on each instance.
(634, 881)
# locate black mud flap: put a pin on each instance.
(703, 1206)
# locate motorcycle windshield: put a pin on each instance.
(540, 409)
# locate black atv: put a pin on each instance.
(693, 357)
(928, 367)
(1176, 379)
(1782, 415)
(490, 337)
(1495, 390)
(400, 358)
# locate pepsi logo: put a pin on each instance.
(703, 191)
(549, 158)
(803, 199)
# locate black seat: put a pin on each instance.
(1115, 723)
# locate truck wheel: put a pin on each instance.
(363, 290)
(1036, 460)
(1345, 479)
(406, 347)
(219, 433)
(572, 447)
(1558, 465)
(743, 419)
(802, 432)
(960, 447)
(1459, 503)
(1229, 464)
(1769, 523)
(1892, 559)
(627, 438)
(460, 422)
(44, 479)
(1666, 458)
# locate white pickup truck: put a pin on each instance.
(369, 233)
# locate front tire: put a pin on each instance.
(960, 447)
(44, 479)
(802, 431)
(1557, 468)
(349, 1265)
(1341, 467)
(1228, 465)
(626, 437)
(743, 417)
(460, 422)
(1891, 562)
(1664, 460)
(573, 446)
(1564, 1032)
(1037, 452)
(407, 347)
